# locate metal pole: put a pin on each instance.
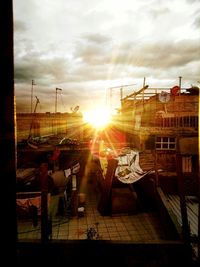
(121, 91)
(56, 102)
(143, 91)
(56, 108)
(180, 78)
(56, 98)
(34, 112)
(33, 83)
(144, 82)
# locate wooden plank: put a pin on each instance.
(175, 206)
(192, 214)
(174, 203)
(192, 206)
(170, 210)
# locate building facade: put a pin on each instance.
(44, 124)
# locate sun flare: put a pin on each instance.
(98, 118)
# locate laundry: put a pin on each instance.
(128, 169)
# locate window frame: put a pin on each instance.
(165, 143)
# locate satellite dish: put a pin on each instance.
(74, 110)
(175, 90)
(164, 97)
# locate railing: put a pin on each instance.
(185, 121)
(190, 121)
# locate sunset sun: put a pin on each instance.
(98, 117)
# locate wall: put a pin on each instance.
(40, 124)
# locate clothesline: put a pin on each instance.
(128, 169)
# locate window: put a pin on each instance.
(165, 143)
(187, 164)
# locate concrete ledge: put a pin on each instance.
(101, 253)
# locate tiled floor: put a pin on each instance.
(140, 227)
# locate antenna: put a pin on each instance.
(180, 78)
(121, 90)
(57, 89)
(33, 83)
(33, 116)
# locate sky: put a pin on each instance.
(86, 47)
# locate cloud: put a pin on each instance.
(192, 1)
(19, 26)
(95, 62)
(197, 22)
(156, 12)
(85, 47)
(155, 54)
(98, 39)
(47, 71)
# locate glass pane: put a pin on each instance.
(165, 139)
(158, 139)
(172, 146)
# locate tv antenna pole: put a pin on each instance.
(33, 117)
(57, 89)
(121, 90)
(32, 84)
